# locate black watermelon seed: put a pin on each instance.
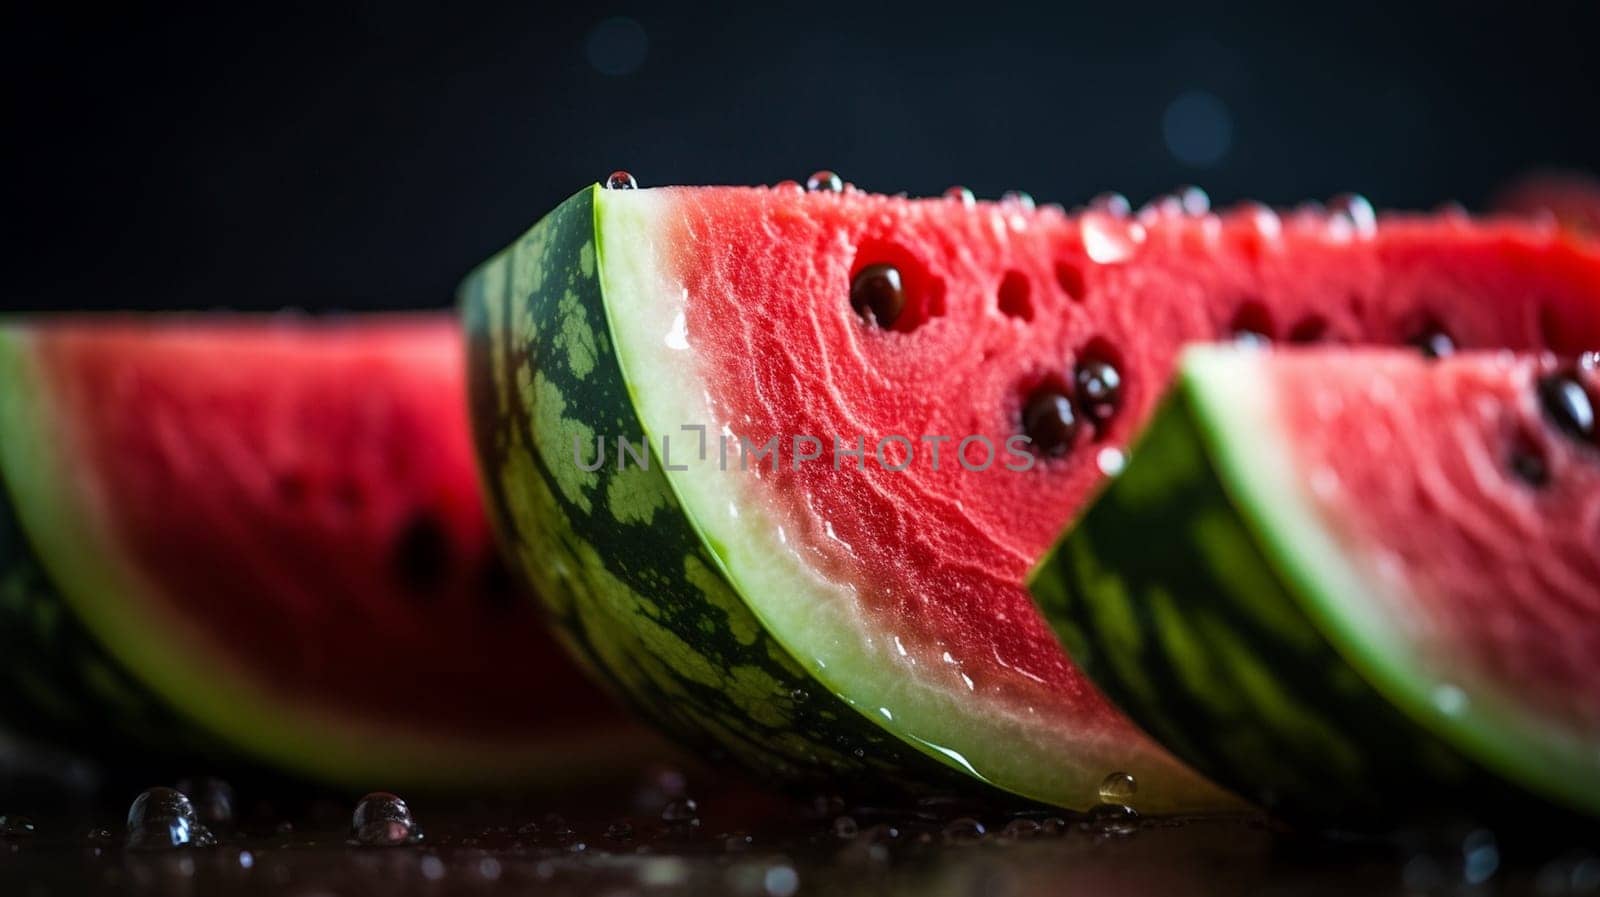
(1434, 342)
(1568, 405)
(1049, 421)
(877, 294)
(1099, 388)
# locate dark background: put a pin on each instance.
(366, 156)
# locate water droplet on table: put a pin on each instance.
(382, 819)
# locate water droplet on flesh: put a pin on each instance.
(1018, 198)
(962, 195)
(1111, 460)
(1118, 788)
(788, 188)
(382, 819)
(824, 182)
(1113, 204)
(1352, 210)
(1252, 339)
(878, 295)
(621, 180)
(1263, 218)
(1109, 239)
(1194, 201)
(1050, 422)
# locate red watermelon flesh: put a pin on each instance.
(1484, 534)
(1570, 198)
(293, 510)
(1001, 299)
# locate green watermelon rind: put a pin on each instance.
(673, 585)
(630, 585)
(135, 682)
(1255, 649)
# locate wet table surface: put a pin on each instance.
(662, 830)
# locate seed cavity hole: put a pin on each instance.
(1070, 278)
(1251, 325)
(891, 289)
(1016, 296)
(1313, 329)
(1528, 462)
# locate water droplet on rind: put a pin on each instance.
(1118, 788)
(621, 180)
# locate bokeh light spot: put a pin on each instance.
(1198, 129)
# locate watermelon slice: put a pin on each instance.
(265, 537)
(1379, 581)
(816, 611)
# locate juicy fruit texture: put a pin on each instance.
(275, 530)
(761, 313)
(1366, 603)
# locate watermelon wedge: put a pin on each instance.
(263, 538)
(817, 610)
(1379, 584)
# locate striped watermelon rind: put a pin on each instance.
(1250, 646)
(632, 586)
